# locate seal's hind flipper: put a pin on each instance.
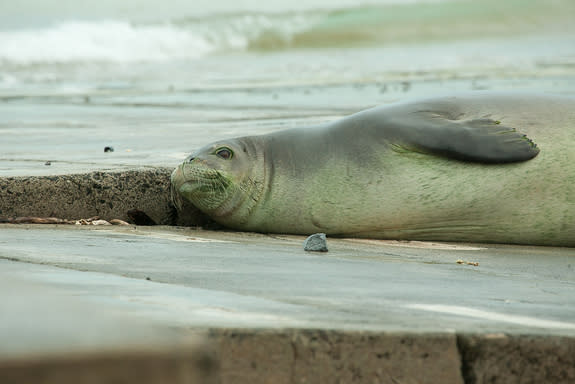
(478, 140)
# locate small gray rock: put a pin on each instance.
(315, 243)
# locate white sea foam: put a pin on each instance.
(101, 41)
(122, 41)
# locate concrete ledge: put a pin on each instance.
(238, 356)
(321, 356)
(503, 358)
(329, 356)
(109, 195)
(324, 356)
(190, 366)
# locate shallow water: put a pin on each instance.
(156, 82)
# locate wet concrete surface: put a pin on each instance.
(84, 303)
(180, 277)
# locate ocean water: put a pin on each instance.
(156, 80)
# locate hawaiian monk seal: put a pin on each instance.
(476, 168)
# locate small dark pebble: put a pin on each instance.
(109, 149)
(147, 278)
(315, 243)
(140, 217)
(48, 163)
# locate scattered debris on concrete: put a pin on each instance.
(92, 221)
(474, 263)
(35, 220)
(119, 222)
(88, 221)
(56, 220)
(315, 243)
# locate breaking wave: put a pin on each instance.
(192, 38)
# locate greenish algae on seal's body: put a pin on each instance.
(475, 168)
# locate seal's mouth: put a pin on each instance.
(204, 187)
(178, 178)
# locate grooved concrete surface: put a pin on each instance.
(367, 311)
(109, 195)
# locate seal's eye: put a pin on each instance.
(224, 153)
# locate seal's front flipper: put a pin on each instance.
(477, 140)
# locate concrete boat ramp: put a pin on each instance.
(174, 304)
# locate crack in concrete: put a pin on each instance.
(467, 374)
(294, 361)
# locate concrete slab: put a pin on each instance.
(109, 195)
(55, 335)
(186, 277)
(366, 311)
(499, 358)
(156, 365)
(324, 356)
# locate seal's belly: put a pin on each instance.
(421, 197)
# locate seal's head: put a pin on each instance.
(223, 179)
